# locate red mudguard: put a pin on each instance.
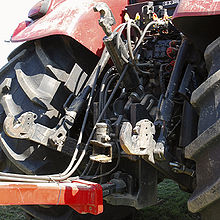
(197, 8)
(73, 18)
(76, 19)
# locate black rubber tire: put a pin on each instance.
(17, 98)
(205, 149)
(30, 60)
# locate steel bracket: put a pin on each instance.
(139, 140)
(25, 128)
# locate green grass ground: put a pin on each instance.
(172, 205)
(11, 213)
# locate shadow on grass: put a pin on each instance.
(172, 205)
(11, 213)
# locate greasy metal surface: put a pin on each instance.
(72, 18)
(197, 8)
(82, 196)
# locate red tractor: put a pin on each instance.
(104, 100)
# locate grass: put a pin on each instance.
(172, 205)
(11, 213)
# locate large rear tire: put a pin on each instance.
(205, 149)
(27, 84)
(33, 80)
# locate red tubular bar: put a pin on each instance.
(82, 196)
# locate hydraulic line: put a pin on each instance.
(98, 120)
(92, 83)
(102, 101)
(121, 28)
(68, 172)
(7, 178)
(130, 50)
(133, 53)
(113, 77)
(143, 35)
(102, 87)
(119, 42)
(90, 168)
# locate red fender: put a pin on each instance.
(73, 18)
(190, 18)
(197, 8)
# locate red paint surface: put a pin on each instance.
(82, 196)
(197, 8)
(77, 19)
(74, 18)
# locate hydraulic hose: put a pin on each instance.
(92, 82)
(143, 35)
(68, 172)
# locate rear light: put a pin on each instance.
(39, 9)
